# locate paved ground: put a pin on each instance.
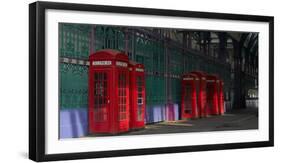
(235, 120)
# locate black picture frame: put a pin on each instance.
(37, 79)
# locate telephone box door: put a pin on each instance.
(137, 102)
(188, 99)
(210, 97)
(101, 102)
(140, 99)
(137, 95)
(123, 99)
(203, 99)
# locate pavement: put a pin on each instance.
(242, 119)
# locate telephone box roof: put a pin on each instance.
(109, 54)
(189, 75)
(135, 64)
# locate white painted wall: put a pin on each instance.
(14, 79)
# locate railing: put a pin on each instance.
(252, 103)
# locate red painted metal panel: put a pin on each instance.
(202, 112)
(108, 92)
(137, 95)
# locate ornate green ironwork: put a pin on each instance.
(76, 41)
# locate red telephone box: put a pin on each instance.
(201, 96)
(108, 92)
(137, 95)
(212, 95)
(190, 84)
(221, 98)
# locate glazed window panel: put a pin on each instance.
(140, 85)
(100, 96)
(122, 96)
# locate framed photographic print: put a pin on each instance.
(107, 81)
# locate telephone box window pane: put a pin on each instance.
(140, 98)
(140, 101)
(105, 87)
(100, 93)
(96, 102)
(140, 113)
(122, 96)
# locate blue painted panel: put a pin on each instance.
(73, 123)
(176, 111)
(158, 113)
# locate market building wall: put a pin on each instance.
(164, 60)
